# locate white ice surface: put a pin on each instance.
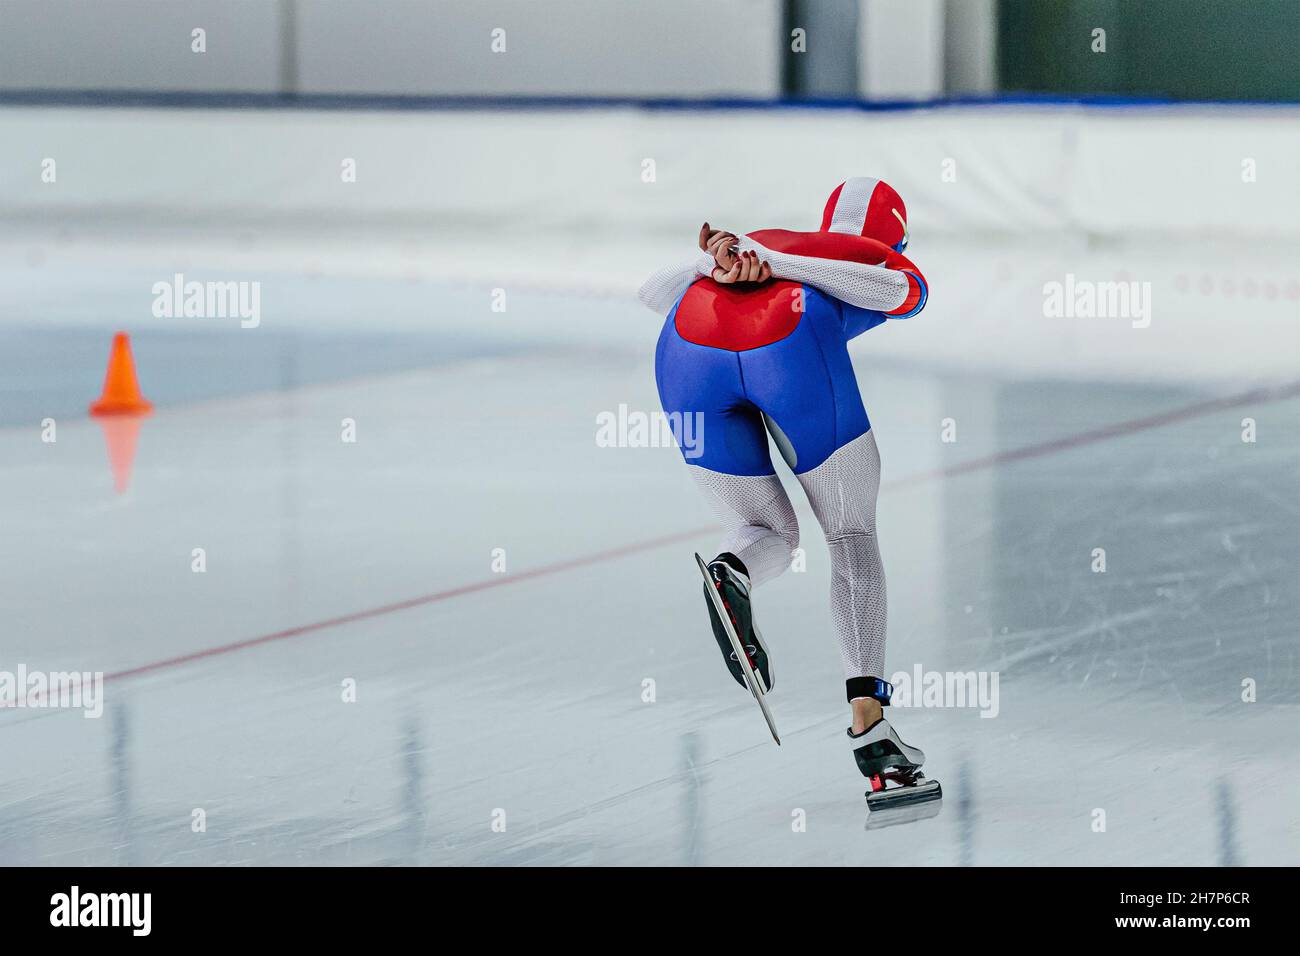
(1119, 692)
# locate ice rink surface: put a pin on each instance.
(576, 700)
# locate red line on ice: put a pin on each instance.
(1272, 394)
(1019, 454)
(433, 598)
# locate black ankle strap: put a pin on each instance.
(869, 687)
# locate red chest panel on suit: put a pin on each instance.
(724, 317)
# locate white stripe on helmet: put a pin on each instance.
(850, 213)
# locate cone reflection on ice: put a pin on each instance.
(121, 394)
(119, 409)
(121, 433)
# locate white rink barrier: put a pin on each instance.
(1103, 171)
(1195, 210)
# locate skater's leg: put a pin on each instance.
(731, 465)
(761, 528)
(822, 430)
(761, 531)
(842, 491)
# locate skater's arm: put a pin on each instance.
(865, 274)
(873, 281)
(858, 320)
(661, 291)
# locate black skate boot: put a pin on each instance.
(731, 580)
(892, 767)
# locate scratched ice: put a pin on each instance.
(520, 698)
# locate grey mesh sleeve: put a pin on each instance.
(868, 287)
(661, 291)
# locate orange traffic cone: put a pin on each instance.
(122, 406)
(121, 395)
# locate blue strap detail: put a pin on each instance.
(872, 687)
(882, 691)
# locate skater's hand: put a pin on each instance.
(730, 266)
(720, 244)
(747, 268)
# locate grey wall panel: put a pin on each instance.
(414, 47)
(553, 47)
(139, 45)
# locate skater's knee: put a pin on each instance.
(785, 526)
(854, 533)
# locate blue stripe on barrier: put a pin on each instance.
(167, 99)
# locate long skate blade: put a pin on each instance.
(913, 814)
(767, 715)
(755, 687)
(904, 804)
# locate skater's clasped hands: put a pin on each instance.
(730, 265)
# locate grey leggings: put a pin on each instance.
(762, 531)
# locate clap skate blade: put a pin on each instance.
(902, 796)
(756, 687)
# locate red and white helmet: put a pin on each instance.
(868, 207)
